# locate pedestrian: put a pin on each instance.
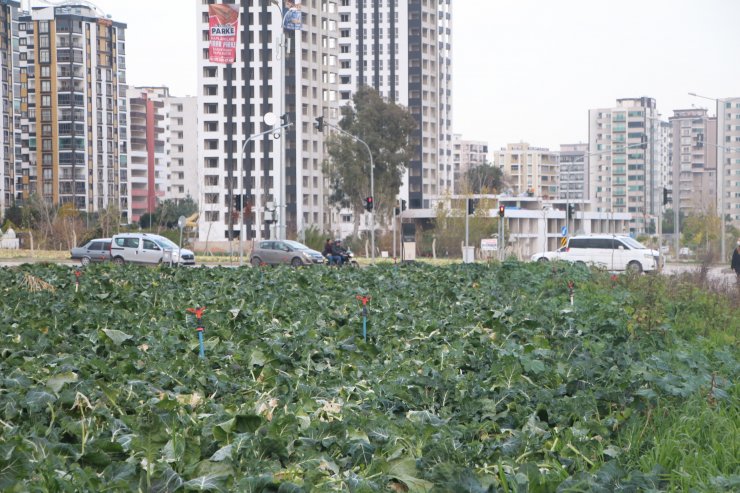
(736, 261)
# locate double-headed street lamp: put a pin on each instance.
(276, 131)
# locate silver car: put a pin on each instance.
(274, 252)
(97, 250)
(148, 248)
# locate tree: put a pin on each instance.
(385, 127)
(168, 212)
(702, 231)
(483, 179)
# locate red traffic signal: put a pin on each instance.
(369, 204)
(501, 210)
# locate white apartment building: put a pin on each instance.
(149, 148)
(298, 81)
(727, 150)
(530, 170)
(403, 50)
(466, 154)
(627, 161)
(573, 179)
(693, 180)
(73, 110)
(182, 167)
(10, 100)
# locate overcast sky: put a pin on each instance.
(523, 70)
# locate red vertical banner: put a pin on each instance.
(223, 23)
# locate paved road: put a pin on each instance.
(716, 273)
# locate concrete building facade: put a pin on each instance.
(466, 154)
(573, 179)
(403, 49)
(625, 165)
(149, 148)
(10, 98)
(73, 110)
(727, 150)
(280, 72)
(530, 170)
(693, 177)
(182, 167)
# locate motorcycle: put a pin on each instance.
(348, 260)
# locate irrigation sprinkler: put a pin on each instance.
(199, 327)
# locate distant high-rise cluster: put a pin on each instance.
(75, 134)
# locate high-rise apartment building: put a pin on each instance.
(403, 50)
(626, 161)
(573, 171)
(148, 149)
(530, 170)
(10, 97)
(183, 171)
(728, 157)
(297, 81)
(73, 125)
(693, 178)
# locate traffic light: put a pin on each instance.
(400, 207)
(699, 140)
(643, 142)
(319, 125)
(666, 196)
(472, 203)
(369, 204)
(501, 211)
(571, 210)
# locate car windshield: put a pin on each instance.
(632, 243)
(296, 245)
(164, 242)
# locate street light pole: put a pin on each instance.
(372, 182)
(276, 131)
(720, 179)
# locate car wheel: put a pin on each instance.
(118, 261)
(85, 260)
(542, 259)
(634, 267)
(296, 262)
(256, 262)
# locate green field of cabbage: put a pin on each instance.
(473, 378)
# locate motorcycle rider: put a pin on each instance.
(338, 252)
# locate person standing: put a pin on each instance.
(736, 261)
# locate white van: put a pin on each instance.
(611, 252)
(147, 248)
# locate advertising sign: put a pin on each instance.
(489, 244)
(223, 23)
(292, 19)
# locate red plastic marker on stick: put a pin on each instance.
(199, 327)
(364, 300)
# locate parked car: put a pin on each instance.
(148, 248)
(612, 252)
(685, 252)
(97, 250)
(274, 252)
